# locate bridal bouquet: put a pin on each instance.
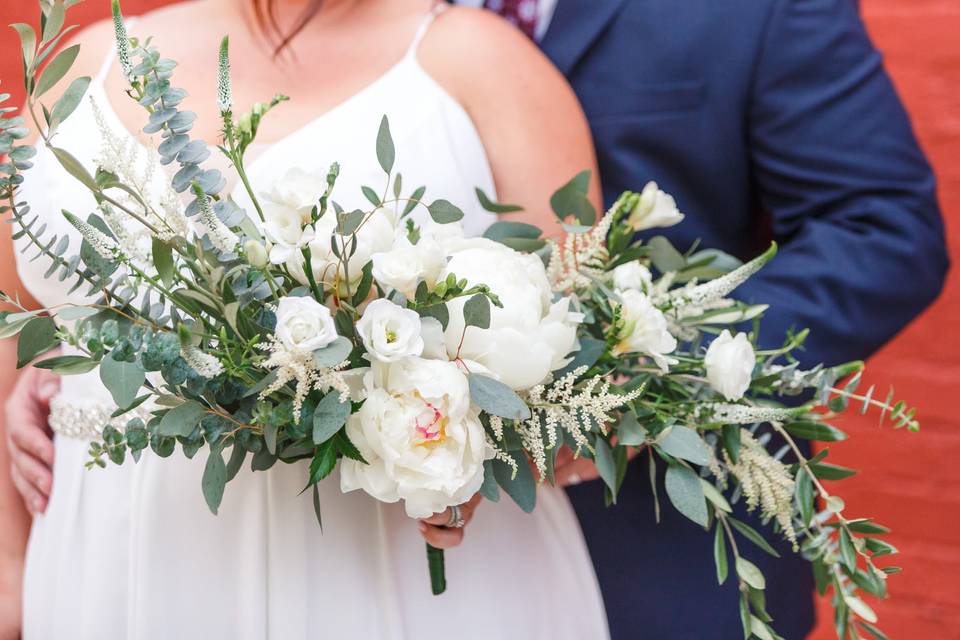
(428, 365)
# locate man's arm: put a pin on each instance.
(852, 198)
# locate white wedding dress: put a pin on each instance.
(133, 552)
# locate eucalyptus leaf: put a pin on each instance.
(329, 417)
(686, 493)
(590, 351)
(334, 353)
(489, 489)
(444, 212)
(520, 486)
(476, 312)
(163, 261)
(685, 443)
(496, 398)
(386, 153)
(606, 465)
(750, 574)
(663, 255)
(37, 336)
(68, 365)
(630, 432)
(182, 419)
(214, 480)
(56, 70)
(571, 200)
(494, 207)
(69, 101)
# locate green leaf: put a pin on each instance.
(848, 553)
(720, 554)
(237, 455)
(316, 505)
(606, 465)
(686, 493)
(56, 70)
(329, 417)
(715, 497)
(803, 496)
(504, 229)
(476, 311)
(868, 527)
(750, 574)
(346, 447)
(753, 536)
(731, 441)
(664, 256)
(123, 380)
(571, 200)
(349, 222)
(386, 154)
(38, 336)
(685, 443)
(12, 324)
(522, 487)
(69, 101)
(214, 480)
(815, 431)
(182, 419)
(880, 548)
(496, 398)
(444, 212)
(163, 261)
(439, 312)
(413, 201)
(75, 313)
(334, 353)
(323, 463)
(28, 41)
(630, 432)
(489, 488)
(493, 207)
(759, 629)
(68, 365)
(827, 471)
(54, 21)
(872, 630)
(75, 169)
(861, 608)
(371, 195)
(587, 355)
(264, 382)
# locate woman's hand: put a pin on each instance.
(28, 436)
(433, 530)
(571, 470)
(11, 578)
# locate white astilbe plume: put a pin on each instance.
(128, 240)
(580, 258)
(123, 42)
(564, 405)
(220, 235)
(503, 456)
(301, 367)
(745, 414)
(203, 363)
(224, 86)
(105, 246)
(766, 483)
(705, 294)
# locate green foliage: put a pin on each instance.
(496, 398)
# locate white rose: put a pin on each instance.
(632, 275)
(390, 332)
(287, 213)
(421, 441)
(645, 329)
(654, 209)
(730, 361)
(406, 264)
(303, 324)
(531, 335)
(375, 236)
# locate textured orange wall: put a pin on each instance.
(908, 481)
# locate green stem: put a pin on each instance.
(438, 575)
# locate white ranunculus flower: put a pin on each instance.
(406, 264)
(655, 208)
(531, 335)
(303, 324)
(645, 329)
(632, 275)
(375, 236)
(390, 332)
(422, 442)
(730, 361)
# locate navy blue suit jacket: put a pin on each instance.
(767, 119)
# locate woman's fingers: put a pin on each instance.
(574, 471)
(441, 537)
(33, 499)
(30, 438)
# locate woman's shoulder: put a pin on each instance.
(471, 51)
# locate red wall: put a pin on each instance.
(907, 480)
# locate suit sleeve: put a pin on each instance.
(851, 196)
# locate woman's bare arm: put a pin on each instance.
(531, 124)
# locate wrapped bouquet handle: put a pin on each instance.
(438, 570)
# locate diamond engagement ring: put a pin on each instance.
(456, 520)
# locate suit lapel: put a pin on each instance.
(575, 27)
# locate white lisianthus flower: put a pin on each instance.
(632, 275)
(406, 264)
(375, 236)
(303, 324)
(730, 361)
(645, 329)
(531, 335)
(256, 253)
(287, 210)
(422, 442)
(655, 208)
(390, 332)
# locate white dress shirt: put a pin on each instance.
(545, 9)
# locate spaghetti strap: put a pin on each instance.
(418, 37)
(111, 56)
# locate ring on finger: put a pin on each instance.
(455, 521)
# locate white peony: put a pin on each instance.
(531, 335)
(303, 324)
(375, 236)
(390, 332)
(632, 275)
(287, 213)
(406, 264)
(730, 361)
(645, 329)
(655, 208)
(422, 442)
